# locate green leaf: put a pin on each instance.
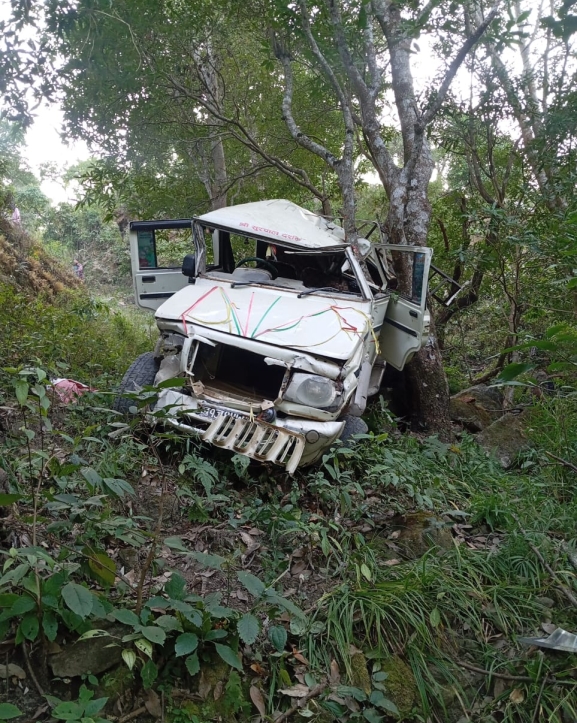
(168, 623)
(514, 370)
(78, 599)
(283, 602)
(185, 644)
(251, 582)
(175, 588)
(94, 707)
(154, 634)
(149, 673)
(352, 692)
(68, 711)
(212, 561)
(192, 664)
(228, 655)
(7, 711)
(248, 628)
(118, 487)
(435, 617)
(21, 387)
(9, 499)
(129, 657)
(216, 634)
(126, 617)
(23, 605)
(176, 543)
(372, 715)
(92, 477)
(103, 567)
(377, 698)
(50, 625)
(365, 572)
(278, 637)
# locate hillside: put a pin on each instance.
(147, 578)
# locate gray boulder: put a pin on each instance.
(506, 437)
(476, 407)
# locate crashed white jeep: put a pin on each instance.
(272, 331)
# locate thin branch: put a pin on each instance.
(561, 461)
(314, 693)
(456, 64)
(517, 678)
(564, 589)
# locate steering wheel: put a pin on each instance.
(264, 262)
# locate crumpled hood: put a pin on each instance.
(325, 326)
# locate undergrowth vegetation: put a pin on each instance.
(394, 581)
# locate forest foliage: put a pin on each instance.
(394, 580)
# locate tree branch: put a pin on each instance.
(455, 65)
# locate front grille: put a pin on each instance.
(258, 440)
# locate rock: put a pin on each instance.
(506, 437)
(421, 531)
(93, 655)
(360, 677)
(477, 407)
(400, 686)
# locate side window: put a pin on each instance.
(412, 283)
(172, 245)
(146, 250)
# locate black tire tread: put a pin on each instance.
(353, 425)
(140, 373)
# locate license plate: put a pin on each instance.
(213, 413)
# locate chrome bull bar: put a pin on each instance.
(258, 440)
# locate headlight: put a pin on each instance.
(311, 390)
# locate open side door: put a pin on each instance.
(406, 324)
(157, 249)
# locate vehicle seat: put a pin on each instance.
(287, 271)
(246, 274)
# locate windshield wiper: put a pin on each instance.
(314, 291)
(244, 283)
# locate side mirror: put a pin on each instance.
(189, 266)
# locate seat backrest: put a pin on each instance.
(245, 274)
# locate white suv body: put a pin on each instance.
(272, 361)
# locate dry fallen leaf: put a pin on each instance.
(390, 563)
(296, 691)
(258, 669)
(258, 700)
(301, 658)
(335, 675)
(12, 671)
(152, 704)
(517, 696)
(298, 567)
(218, 689)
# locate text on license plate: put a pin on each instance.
(213, 413)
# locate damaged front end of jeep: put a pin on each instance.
(271, 404)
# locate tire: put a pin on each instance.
(353, 425)
(140, 374)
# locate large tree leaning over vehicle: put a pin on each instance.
(363, 51)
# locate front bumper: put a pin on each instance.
(289, 442)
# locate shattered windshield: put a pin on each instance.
(252, 261)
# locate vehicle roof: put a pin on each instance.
(278, 220)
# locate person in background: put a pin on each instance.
(78, 269)
(16, 220)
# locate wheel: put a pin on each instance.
(353, 425)
(140, 374)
